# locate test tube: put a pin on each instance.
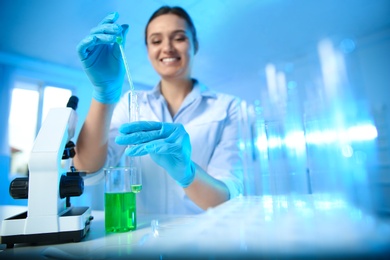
(134, 161)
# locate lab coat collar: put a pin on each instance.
(198, 89)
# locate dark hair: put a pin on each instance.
(176, 10)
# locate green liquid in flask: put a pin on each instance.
(136, 188)
(120, 212)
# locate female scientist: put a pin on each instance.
(188, 135)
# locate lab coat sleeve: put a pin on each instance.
(226, 163)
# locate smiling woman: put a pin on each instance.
(172, 43)
(188, 136)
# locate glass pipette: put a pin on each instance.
(119, 40)
(133, 102)
(133, 110)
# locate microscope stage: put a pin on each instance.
(74, 225)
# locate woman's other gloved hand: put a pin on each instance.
(102, 61)
(167, 144)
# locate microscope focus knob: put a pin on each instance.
(71, 186)
(18, 189)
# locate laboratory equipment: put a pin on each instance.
(133, 110)
(121, 187)
(119, 40)
(123, 183)
(50, 217)
(133, 98)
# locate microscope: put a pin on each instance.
(50, 217)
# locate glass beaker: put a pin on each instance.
(120, 210)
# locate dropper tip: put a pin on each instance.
(119, 39)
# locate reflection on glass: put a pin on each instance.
(316, 138)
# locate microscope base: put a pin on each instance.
(75, 215)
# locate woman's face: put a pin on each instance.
(170, 46)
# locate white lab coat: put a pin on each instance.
(212, 121)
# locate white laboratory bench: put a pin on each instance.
(316, 226)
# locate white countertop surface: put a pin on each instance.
(296, 227)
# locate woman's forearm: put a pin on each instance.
(206, 191)
(91, 146)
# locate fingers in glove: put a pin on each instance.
(154, 147)
(110, 18)
(138, 137)
(88, 44)
(143, 132)
(145, 126)
(138, 132)
(105, 33)
(162, 147)
(140, 126)
(114, 29)
(108, 26)
(136, 150)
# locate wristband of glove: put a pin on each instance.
(189, 177)
(108, 96)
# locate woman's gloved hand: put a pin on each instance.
(167, 144)
(102, 61)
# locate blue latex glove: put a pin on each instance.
(167, 144)
(102, 61)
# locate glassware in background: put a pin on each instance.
(313, 133)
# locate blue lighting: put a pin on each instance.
(261, 143)
(347, 46)
(347, 150)
(298, 139)
(321, 137)
(291, 84)
(295, 139)
(365, 132)
(274, 142)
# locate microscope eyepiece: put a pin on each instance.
(73, 102)
(69, 151)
